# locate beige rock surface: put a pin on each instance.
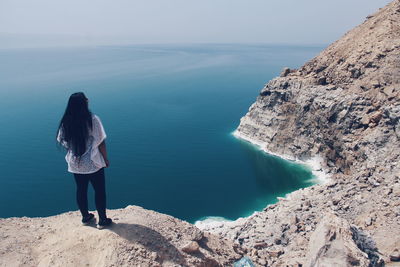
(332, 244)
(342, 106)
(139, 237)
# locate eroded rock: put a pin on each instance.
(191, 247)
(342, 107)
(332, 244)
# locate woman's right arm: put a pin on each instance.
(60, 138)
(103, 151)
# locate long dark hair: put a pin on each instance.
(75, 124)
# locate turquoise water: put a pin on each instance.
(169, 112)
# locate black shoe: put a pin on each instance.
(87, 219)
(104, 223)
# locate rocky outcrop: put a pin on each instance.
(139, 237)
(342, 106)
(332, 244)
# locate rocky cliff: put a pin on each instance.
(342, 106)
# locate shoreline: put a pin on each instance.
(319, 176)
(313, 163)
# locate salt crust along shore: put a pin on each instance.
(314, 163)
(321, 177)
(342, 106)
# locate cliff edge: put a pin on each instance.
(343, 107)
(138, 237)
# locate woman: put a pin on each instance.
(83, 135)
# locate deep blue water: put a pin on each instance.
(169, 112)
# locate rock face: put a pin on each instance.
(335, 102)
(342, 106)
(139, 237)
(332, 244)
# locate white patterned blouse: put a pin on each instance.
(92, 160)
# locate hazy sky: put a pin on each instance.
(184, 21)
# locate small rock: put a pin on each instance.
(307, 203)
(396, 190)
(355, 73)
(197, 236)
(389, 90)
(388, 191)
(275, 253)
(191, 247)
(376, 84)
(335, 201)
(365, 120)
(395, 255)
(294, 220)
(321, 81)
(376, 117)
(262, 262)
(368, 221)
(332, 184)
(284, 241)
(260, 245)
(300, 227)
(330, 163)
(285, 72)
(154, 256)
(254, 253)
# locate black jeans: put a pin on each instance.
(98, 182)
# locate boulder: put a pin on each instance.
(395, 255)
(285, 72)
(332, 244)
(191, 247)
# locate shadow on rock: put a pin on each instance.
(150, 239)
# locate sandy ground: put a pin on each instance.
(139, 237)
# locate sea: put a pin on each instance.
(169, 112)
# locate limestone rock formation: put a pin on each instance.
(332, 244)
(342, 106)
(338, 97)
